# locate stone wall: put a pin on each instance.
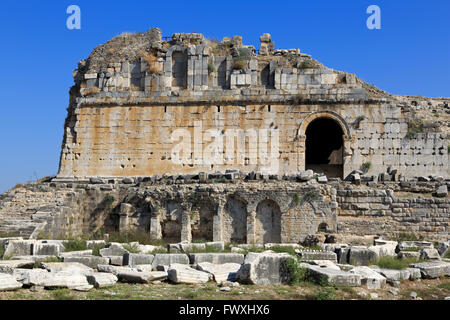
(240, 212)
(135, 91)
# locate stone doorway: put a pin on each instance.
(324, 147)
(268, 222)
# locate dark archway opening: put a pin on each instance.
(324, 147)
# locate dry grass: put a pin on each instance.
(151, 60)
(92, 90)
(239, 64)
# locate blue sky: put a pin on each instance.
(409, 55)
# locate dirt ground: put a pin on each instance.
(425, 289)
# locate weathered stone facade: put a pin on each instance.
(132, 94)
(120, 169)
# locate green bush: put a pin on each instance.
(297, 274)
(211, 68)
(309, 64)
(96, 249)
(366, 166)
(75, 245)
(108, 200)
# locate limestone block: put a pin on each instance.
(141, 277)
(267, 268)
(164, 259)
(369, 277)
(333, 276)
(395, 274)
(8, 282)
(216, 258)
(317, 255)
(29, 277)
(69, 267)
(63, 279)
(7, 266)
(429, 254)
(361, 256)
(90, 261)
(115, 249)
(102, 280)
(180, 273)
(76, 253)
(48, 249)
(19, 248)
(220, 272)
(133, 259)
(115, 270)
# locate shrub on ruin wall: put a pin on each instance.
(414, 127)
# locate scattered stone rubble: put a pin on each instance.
(225, 269)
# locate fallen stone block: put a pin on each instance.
(343, 255)
(29, 277)
(114, 249)
(46, 249)
(165, 259)
(370, 278)
(101, 279)
(69, 267)
(442, 191)
(266, 268)
(115, 260)
(444, 247)
(395, 275)
(141, 277)
(220, 272)
(216, 258)
(146, 268)
(76, 253)
(132, 259)
(115, 270)
(184, 247)
(8, 282)
(414, 244)
(324, 263)
(63, 279)
(361, 256)
(19, 248)
(90, 261)
(180, 273)
(333, 276)
(408, 254)
(433, 269)
(414, 273)
(316, 255)
(7, 266)
(429, 254)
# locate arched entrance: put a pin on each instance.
(324, 147)
(268, 222)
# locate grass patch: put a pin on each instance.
(131, 248)
(135, 236)
(96, 249)
(408, 236)
(322, 294)
(62, 294)
(394, 263)
(75, 245)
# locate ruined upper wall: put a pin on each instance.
(138, 68)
